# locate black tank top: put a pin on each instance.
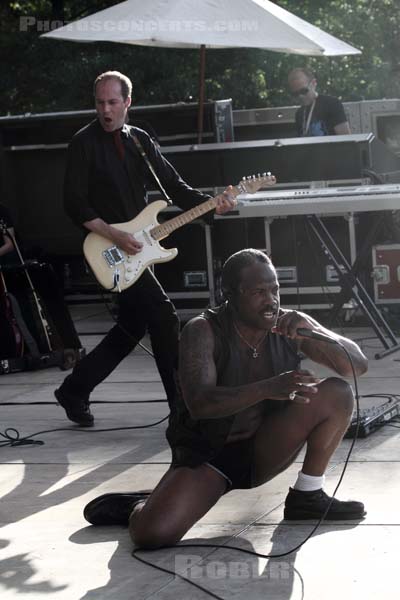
(195, 441)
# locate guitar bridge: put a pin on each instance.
(113, 256)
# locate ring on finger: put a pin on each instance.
(292, 395)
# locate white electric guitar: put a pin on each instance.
(115, 270)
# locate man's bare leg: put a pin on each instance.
(320, 424)
(181, 498)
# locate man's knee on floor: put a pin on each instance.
(150, 536)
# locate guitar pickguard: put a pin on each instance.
(124, 269)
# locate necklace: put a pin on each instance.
(253, 348)
(306, 125)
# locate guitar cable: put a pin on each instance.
(135, 340)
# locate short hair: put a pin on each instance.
(126, 83)
(233, 266)
(302, 70)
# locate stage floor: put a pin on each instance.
(49, 551)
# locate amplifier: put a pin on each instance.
(293, 248)
(291, 160)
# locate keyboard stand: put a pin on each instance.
(360, 259)
(353, 287)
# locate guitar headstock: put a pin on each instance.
(252, 183)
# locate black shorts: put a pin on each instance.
(235, 463)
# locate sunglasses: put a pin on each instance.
(302, 92)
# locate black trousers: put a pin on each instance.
(142, 307)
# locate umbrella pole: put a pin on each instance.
(200, 115)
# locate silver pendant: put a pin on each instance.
(255, 353)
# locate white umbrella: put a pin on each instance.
(200, 23)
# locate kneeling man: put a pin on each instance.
(244, 409)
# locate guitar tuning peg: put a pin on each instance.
(244, 178)
(258, 175)
(264, 174)
(269, 174)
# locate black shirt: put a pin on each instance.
(327, 113)
(99, 184)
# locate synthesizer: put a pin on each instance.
(320, 201)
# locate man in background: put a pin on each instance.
(318, 114)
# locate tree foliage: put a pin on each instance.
(41, 75)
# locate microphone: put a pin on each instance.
(309, 333)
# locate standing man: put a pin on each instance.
(319, 114)
(105, 182)
(244, 410)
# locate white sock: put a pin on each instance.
(309, 483)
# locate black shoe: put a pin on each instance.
(113, 509)
(76, 407)
(312, 505)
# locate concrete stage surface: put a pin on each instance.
(49, 551)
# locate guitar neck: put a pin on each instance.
(165, 229)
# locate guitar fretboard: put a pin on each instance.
(165, 229)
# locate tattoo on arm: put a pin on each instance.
(196, 360)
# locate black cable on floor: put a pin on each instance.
(46, 403)
(16, 440)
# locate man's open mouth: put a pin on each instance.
(269, 314)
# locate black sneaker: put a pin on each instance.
(113, 509)
(312, 505)
(76, 407)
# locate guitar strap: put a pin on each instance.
(148, 163)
